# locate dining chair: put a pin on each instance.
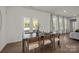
(32, 44)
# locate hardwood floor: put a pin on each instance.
(67, 46)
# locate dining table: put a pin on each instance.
(33, 37)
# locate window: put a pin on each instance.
(60, 24)
(26, 23)
(55, 24)
(73, 25)
(65, 24)
(68, 25)
(30, 24)
(35, 23)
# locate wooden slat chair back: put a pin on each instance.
(47, 37)
(57, 36)
(32, 40)
(52, 36)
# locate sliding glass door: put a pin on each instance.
(65, 25)
(61, 24)
(55, 24)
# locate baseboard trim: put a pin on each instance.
(8, 44)
(3, 48)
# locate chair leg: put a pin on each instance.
(54, 43)
(23, 46)
(27, 47)
(59, 43)
(51, 44)
(39, 46)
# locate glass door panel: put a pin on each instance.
(35, 23)
(65, 23)
(60, 24)
(55, 24)
(26, 24)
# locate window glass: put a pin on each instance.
(27, 23)
(35, 23)
(65, 24)
(55, 24)
(60, 24)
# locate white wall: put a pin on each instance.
(15, 17)
(3, 28)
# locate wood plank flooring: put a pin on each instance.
(67, 46)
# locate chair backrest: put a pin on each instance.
(33, 39)
(57, 35)
(41, 38)
(47, 37)
(52, 35)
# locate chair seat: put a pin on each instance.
(33, 45)
(47, 42)
(36, 45)
(56, 39)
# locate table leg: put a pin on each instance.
(27, 47)
(59, 42)
(54, 43)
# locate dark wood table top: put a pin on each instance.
(45, 35)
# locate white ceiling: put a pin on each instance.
(59, 10)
